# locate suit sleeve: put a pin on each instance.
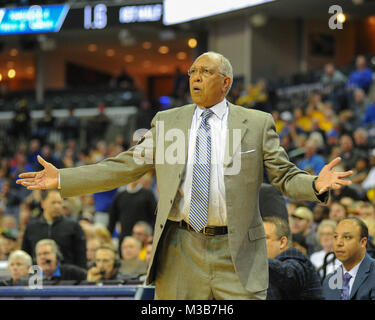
(283, 174)
(112, 172)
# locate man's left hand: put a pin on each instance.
(329, 179)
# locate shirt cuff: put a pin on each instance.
(321, 197)
(58, 183)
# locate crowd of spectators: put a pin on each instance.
(337, 120)
(62, 236)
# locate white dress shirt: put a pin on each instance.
(217, 211)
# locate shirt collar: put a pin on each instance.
(57, 272)
(218, 109)
(135, 189)
(353, 271)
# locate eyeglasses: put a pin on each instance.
(205, 72)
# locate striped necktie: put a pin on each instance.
(200, 189)
(345, 287)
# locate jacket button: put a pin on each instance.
(161, 226)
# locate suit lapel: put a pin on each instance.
(361, 276)
(236, 121)
(182, 122)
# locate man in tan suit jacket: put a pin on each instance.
(252, 146)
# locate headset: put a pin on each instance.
(55, 249)
(117, 261)
(59, 255)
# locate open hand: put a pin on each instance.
(93, 274)
(329, 179)
(41, 180)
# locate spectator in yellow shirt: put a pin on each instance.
(302, 121)
(254, 94)
(143, 232)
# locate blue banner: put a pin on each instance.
(34, 19)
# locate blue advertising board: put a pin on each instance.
(34, 19)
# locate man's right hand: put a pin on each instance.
(93, 274)
(48, 178)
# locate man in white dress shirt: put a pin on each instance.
(209, 240)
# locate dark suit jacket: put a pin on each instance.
(68, 272)
(293, 277)
(363, 286)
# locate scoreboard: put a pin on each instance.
(53, 18)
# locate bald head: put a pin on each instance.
(211, 77)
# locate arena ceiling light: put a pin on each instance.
(11, 73)
(129, 58)
(163, 49)
(92, 47)
(258, 20)
(177, 11)
(181, 55)
(13, 52)
(192, 43)
(341, 17)
(110, 52)
(146, 45)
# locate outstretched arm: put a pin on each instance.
(293, 182)
(48, 178)
(106, 175)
